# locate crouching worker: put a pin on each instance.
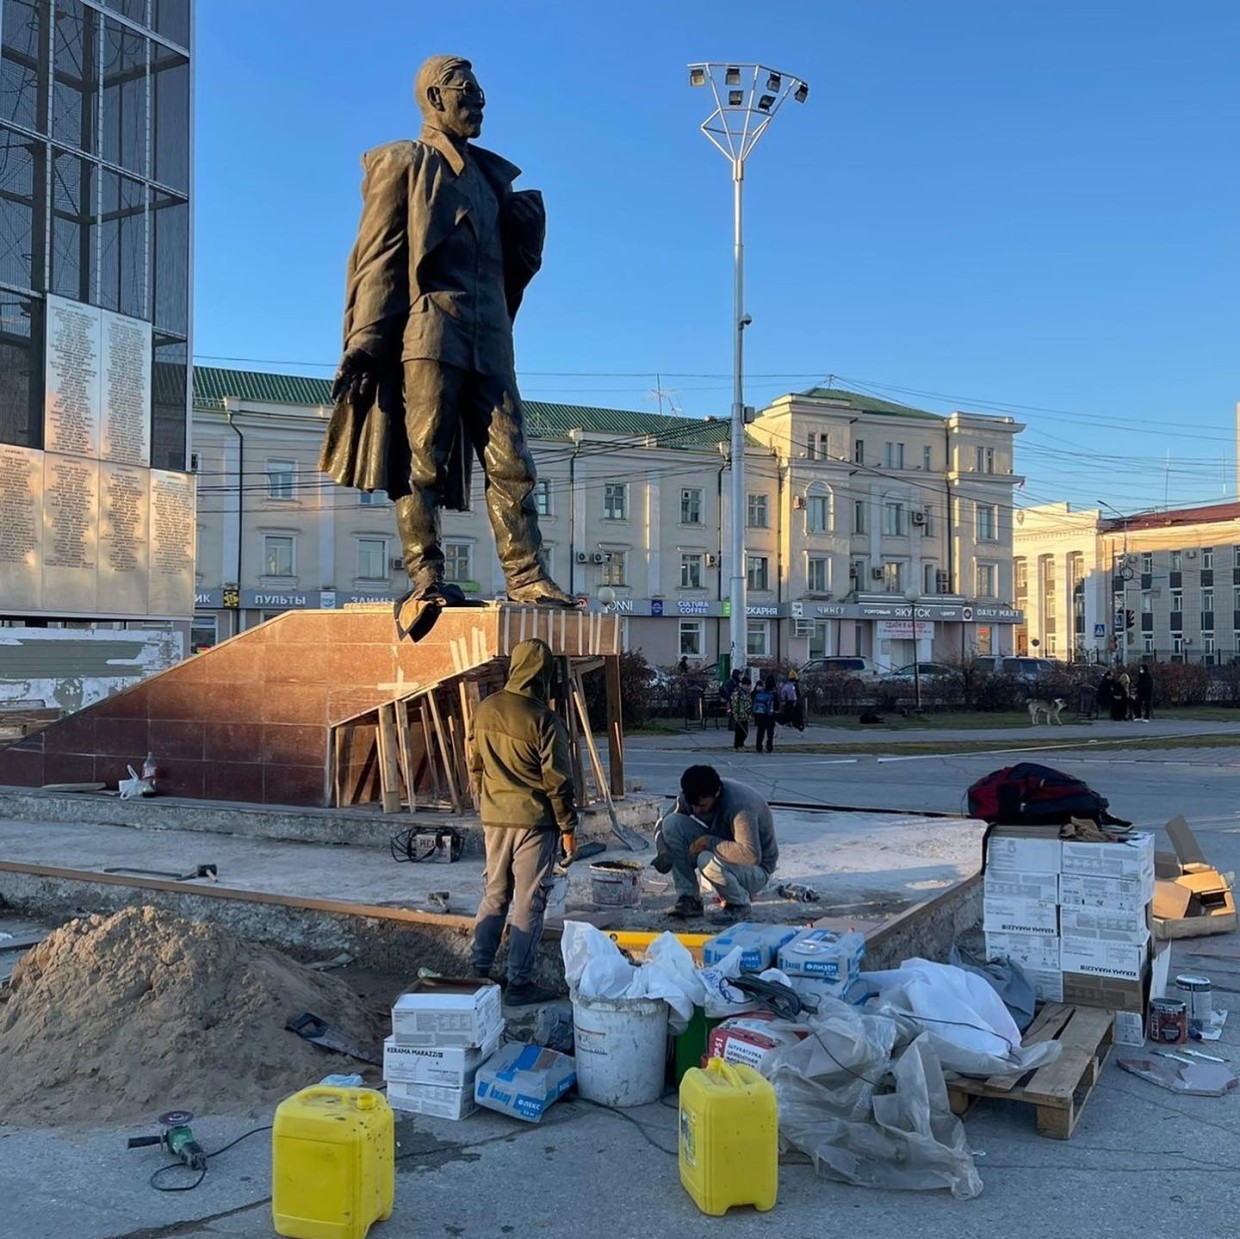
(720, 838)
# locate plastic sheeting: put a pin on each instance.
(963, 1017)
(1008, 979)
(869, 1105)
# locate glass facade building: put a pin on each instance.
(95, 186)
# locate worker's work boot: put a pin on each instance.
(527, 994)
(686, 908)
(541, 593)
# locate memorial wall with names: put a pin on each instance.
(87, 528)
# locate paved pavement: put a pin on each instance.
(1142, 1161)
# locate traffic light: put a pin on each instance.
(1130, 619)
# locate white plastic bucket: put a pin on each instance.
(616, 883)
(621, 1049)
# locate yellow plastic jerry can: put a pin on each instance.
(332, 1163)
(729, 1137)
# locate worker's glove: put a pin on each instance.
(701, 844)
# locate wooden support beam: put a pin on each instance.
(615, 724)
(389, 762)
(441, 738)
(470, 696)
(428, 734)
(406, 757)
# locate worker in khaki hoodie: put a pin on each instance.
(528, 807)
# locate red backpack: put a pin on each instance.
(1031, 795)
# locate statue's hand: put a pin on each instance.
(357, 375)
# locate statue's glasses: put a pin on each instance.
(470, 91)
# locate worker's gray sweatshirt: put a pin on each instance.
(743, 819)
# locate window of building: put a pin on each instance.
(893, 519)
(1177, 600)
(819, 445)
(1147, 643)
(1207, 646)
(457, 561)
(758, 638)
(372, 561)
(1235, 556)
(372, 498)
(204, 632)
(987, 522)
(987, 580)
(893, 577)
(818, 513)
(277, 554)
(542, 496)
(758, 515)
(691, 571)
(281, 478)
(927, 458)
(1177, 561)
(859, 506)
(927, 521)
(692, 640)
(1147, 601)
(615, 501)
(818, 574)
(1207, 557)
(1020, 576)
(1177, 644)
(691, 505)
(614, 570)
(985, 459)
(858, 451)
(930, 578)
(757, 571)
(1147, 561)
(893, 455)
(1207, 597)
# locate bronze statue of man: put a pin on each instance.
(444, 251)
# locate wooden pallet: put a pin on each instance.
(1058, 1092)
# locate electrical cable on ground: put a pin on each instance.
(156, 1175)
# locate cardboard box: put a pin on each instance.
(432, 1099)
(749, 1038)
(1192, 898)
(442, 1012)
(445, 1066)
(1110, 993)
(1078, 890)
(1030, 951)
(1023, 849)
(1090, 957)
(1106, 924)
(1127, 860)
(822, 953)
(1129, 1028)
(1034, 887)
(523, 1080)
(1047, 983)
(1019, 916)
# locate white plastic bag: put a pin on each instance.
(135, 785)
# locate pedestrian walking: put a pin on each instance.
(1121, 699)
(764, 713)
(791, 712)
(1145, 692)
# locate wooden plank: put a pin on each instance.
(470, 696)
(432, 766)
(1081, 1038)
(442, 740)
(406, 757)
(1046, 1025)
(615, 726)
(574, 733)
(389, 765)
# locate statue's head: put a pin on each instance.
(449, 96)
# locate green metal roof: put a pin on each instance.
(868, 404)
(543, 421)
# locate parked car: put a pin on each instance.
(841, 664)
(1020, 666)
(923, 670)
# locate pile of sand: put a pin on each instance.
(124, 1017)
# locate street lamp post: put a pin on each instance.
(914, 598)
(747, 97)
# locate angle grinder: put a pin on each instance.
(177, 1138)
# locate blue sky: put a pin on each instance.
(1028, 207)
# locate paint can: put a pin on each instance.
(1168, 1021)
(616, 883)
(1197, 994)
